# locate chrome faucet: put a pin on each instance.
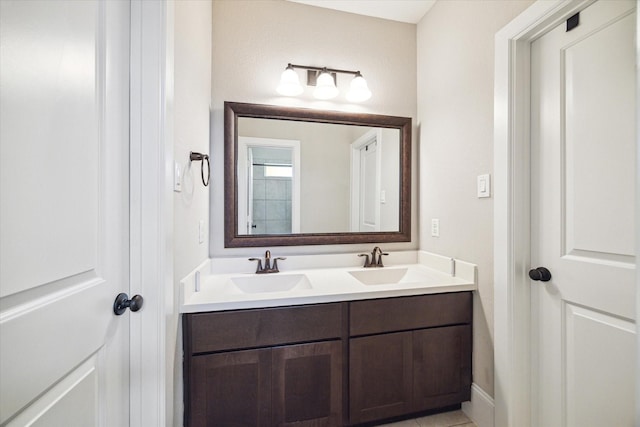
(267, 264)
(376, 258)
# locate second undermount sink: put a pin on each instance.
(379, 276)
(264, 283)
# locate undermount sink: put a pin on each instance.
(271, 283)
(379, 276)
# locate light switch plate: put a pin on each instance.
(484, 186)
(435, 227)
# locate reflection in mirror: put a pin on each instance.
(298, 176)
(349, 174)
(268, 186)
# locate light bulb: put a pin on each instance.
(358, 90)
(289, 83)
(325, 87)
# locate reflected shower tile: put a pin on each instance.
(278, 227)
(276, 189)
(259, 210)
(258, 172)
(276, 210)
(259, 189)
(288, 190)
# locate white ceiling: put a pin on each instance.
(410, 11)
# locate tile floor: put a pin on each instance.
(444, 419)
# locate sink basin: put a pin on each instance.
(379, 276)
(271, 283)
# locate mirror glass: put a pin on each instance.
(298, 176)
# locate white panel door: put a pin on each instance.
(369, 187)
(64, 141)
(583, 168)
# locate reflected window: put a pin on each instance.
(278, 171)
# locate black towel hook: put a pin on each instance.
(199, 157)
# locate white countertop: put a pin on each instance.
(422, 273)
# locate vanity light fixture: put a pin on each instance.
(325, 86)
(358, 90)
(289, 83)
(324, 80)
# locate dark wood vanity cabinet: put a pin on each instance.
(307, 384)
(327, 364)
(294, 378)
(409, 354)
(230, 389)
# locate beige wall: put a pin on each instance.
(455, 45)
(192, 95)
(253, 41)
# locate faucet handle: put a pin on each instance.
(380, 258)
(259, 269)
(366, 261)
(275, 263)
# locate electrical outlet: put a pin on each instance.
(435, 227)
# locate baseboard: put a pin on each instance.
(480, 408)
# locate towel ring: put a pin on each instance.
(199, 157)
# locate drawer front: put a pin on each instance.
(264, 327)
(405, 313)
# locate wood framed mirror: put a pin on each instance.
(296, 176)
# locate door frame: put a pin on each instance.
(151, 211)
(512, 316)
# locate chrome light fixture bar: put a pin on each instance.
(324, 80)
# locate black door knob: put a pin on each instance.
(123, 302)
(540, 273)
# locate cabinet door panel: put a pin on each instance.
(380, 376)
(231, 389)
(307, 384)
(442, 366)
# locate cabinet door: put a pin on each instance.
(307, 384)
(442, 366)
(231, 389)
(380, 376)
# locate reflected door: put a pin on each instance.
(583, 151)
(365, 182)
(369, 182)
(269, 186)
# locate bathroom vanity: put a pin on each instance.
(336, 351)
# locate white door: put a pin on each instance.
(250, 225)
(582, 215)
(365, 182)
(368, 187)
(64, 177)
